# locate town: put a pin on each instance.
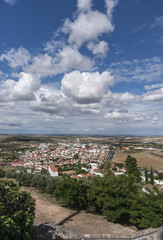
(78, 159)
(105, 176)
(65, 158)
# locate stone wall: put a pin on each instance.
(48, 231)
(149, 234)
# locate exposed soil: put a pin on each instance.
(48, 211)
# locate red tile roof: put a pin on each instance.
(53, 169)
(17, 163)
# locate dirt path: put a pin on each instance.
(46, 211)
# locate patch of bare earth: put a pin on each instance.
(47, 211)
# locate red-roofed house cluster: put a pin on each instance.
(62, 155)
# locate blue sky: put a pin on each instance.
(81, 67)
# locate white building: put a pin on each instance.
(53, 171)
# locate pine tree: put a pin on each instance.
(131, 167)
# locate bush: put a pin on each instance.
(16, 212)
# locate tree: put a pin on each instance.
(41, 185)
(114, 169)
(72, 192)
(146, 175)
(76, 156)
(2, 173)
(146, 209)
(160, 176)
(16, 212)
(10, 174)
(152, 177)
(35, 180)
(131, 167)
(24, 178)
(120, 165)
(51, 185)
(107, 169)
(110, 196)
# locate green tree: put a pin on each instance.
(146, 209)
(114, 169)
(152, 177)
(2, 173)
(119, 199)
(107, 169)
(120, 165)
(131, 167)
(35, 180)
(10, 174)
(65, 191)
(72, 192)
(24, 178)
(16, 212)
(76, 156)
(110, 196)
(160, 176)
(42, 183)
(51, 185)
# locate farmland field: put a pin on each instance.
(145, 158)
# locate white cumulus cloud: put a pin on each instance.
(100, 48)
(120, 99)
(86, 87)
(84, 5)
(23, 89)
(16, 57)
(50, 100)
(66, 59)
(26, 86)
(87, 27)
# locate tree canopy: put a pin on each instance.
(16, 212)
(118, 198)
(131, 167)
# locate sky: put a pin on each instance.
(81, 67)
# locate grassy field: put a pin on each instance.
(144, 158)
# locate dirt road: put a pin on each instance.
(46, 211)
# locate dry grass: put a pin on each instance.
(144, 158)
(68, 172)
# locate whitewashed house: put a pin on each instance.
(53, 171)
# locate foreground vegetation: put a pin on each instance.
(120, 199)
(16, 213)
